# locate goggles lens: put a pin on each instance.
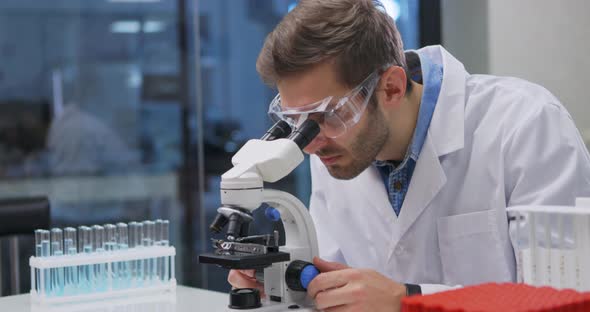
(335, 115)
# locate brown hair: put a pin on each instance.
(357, 34)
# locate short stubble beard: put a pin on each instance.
(366, 146)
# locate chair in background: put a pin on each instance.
(19, 216)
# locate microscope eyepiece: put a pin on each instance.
(305, 133)
(279, 130)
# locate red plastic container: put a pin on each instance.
(500, 298)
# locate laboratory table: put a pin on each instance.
(184, 299)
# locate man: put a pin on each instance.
(411, 179)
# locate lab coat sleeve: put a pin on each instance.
(546, 161)
(328, 247)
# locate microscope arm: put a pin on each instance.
(299, 228)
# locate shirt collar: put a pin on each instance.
(432, 74)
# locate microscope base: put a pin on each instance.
(270, 306)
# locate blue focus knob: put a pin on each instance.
(272, 214)
(299, 274)
(308, 273)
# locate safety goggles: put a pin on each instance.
(335, 115)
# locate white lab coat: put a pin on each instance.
(493, 142)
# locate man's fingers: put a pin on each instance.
(334, 297)
(239, 280)
(249, 273)
(242, 279)
(327, 266)
(325, 281)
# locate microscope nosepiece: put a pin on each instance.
(218, 224)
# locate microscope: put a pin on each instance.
(285, 270)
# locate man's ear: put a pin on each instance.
(393, 84)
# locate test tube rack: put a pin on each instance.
(43, 267)
(102, 262)
(552, 245)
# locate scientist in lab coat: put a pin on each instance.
(417, 160)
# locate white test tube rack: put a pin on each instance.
(40, 295)
(550, 257)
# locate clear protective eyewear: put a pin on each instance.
(335, 115)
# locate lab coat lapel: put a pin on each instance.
(427, 180)
(374, 192)
(445, 135)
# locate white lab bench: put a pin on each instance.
(184, 299)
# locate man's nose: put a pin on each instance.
(316, 144)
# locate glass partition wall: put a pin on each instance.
(129, 110)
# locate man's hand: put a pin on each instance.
(244, 279)
(340, 288)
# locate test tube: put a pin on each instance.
(533, 243)
(547, 268)
(518, 248)
(135, 234)
(110, 245)
(70, 241)
(57, 275)
(98, 234)
(38, 235)
(86, 273)
(44, 276)
(162, 238)
(162, 234)
(71, 273)
(100, 273)
(123, 244)
(38, 238)
(135, 241)
(582, 252)
(560, 249)
(122, 236)
(149, 235)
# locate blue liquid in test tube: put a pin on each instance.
(37, 254)
(86, 273)
(149, 235)
(100, 272)
(110, 245)
(44, 250)
(135, 241)
(162, 239)
(57, 274)
(124, 280)
(71, 273)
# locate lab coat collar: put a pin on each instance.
(445, 135)
(447, 125)
(428, 179)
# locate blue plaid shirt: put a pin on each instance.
(397, 175)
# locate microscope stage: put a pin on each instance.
(244, 261)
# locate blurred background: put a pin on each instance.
(127, 110)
